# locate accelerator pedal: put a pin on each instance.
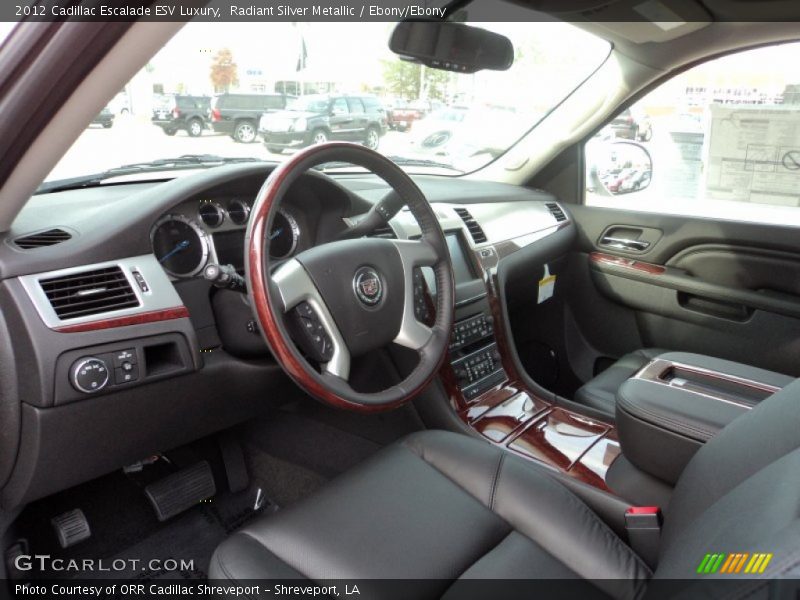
(71, 527)
(181, 491)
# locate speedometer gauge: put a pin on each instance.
(179, 245)
(284, 235)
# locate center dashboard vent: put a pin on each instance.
(89, 293)
(556, 211)
(474, 227)
(51, 237)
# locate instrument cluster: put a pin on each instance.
(213, 230)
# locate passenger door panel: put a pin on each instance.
(723, 288)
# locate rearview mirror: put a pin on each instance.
(452, 46)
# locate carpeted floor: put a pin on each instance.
(289, 456)
(124, 526)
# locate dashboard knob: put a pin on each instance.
(89, 375)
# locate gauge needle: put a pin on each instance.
(180, 246)
(275, 234)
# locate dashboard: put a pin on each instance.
(181, 359)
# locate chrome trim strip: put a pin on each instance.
(412, 334)
(653, 371)
(161, 294)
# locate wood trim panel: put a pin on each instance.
(167, 314)
(602, 258)
(579, 446)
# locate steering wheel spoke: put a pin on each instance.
(413, 254)
(295, 286)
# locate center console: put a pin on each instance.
(489, 394)
(475, 357)
(679, 401)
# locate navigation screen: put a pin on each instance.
(462, 270)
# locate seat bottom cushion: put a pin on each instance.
(436, 507)
(601, 391)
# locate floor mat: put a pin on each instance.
(312, 445)
(282, 482)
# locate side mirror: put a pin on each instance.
(452, 46)
(617, 168)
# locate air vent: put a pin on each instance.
(474, 229)
(50, 237)
(89, 293)
(383, 232)
(556, 211)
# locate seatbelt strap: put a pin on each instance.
(643, 524)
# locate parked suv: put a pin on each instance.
(183, 112)
(316, 119)
(238, 114)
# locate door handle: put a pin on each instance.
(624, 244)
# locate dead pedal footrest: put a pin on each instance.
(181, 491)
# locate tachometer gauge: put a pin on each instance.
(283, 235)
(179, 245)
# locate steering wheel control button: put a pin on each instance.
(127, 373)
(122, 357)
(368, 286)
(310, 334)
(89, 375)
(421, 310)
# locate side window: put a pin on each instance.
(721, 139)
(339, 107)
(356, 108)
(371, 105)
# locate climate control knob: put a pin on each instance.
(89, 375)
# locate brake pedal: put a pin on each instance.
(181, 491)
(71, 527)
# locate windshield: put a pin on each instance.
(265, 90)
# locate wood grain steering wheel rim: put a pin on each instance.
(271, 301)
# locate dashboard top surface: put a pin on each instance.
(117, 221)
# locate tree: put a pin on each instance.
(412, 81)
(224, 72)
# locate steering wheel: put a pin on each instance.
(349, 297)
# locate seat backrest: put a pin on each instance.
(740, 492)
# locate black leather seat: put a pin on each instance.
(601, 391)
(440, 507)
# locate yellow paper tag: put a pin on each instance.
(547, 285)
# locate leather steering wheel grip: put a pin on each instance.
(266, 298)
